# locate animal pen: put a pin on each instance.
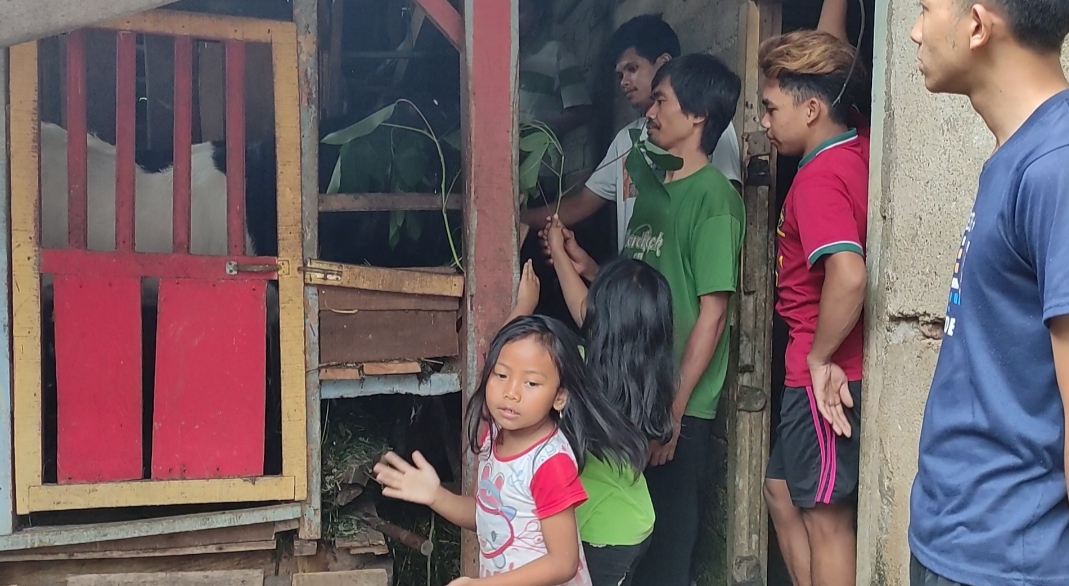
(159, 439)
(180, 374)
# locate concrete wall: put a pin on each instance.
(926, 158)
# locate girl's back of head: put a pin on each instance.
(629, 344)
(589, 422)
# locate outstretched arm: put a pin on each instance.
(571, 284)
(527, 295)
(418, 483)
(833, 18)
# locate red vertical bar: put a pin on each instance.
(77, 206)
(489, 73)
(235, 147)
(183, 138)
(125, 128)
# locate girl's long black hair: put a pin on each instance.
(629, 337)
(589, 422)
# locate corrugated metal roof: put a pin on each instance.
(25, 20)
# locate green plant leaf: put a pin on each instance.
(414, 226)
(335, 177)
(397, 218)
(665, 161)
(534, 142)
(452, 139)
(361, 128)
(556, 159)
(528, 175)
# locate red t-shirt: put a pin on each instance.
(826, 211)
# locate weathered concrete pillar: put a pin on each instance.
(927, 152)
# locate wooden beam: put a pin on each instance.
(213, 578)
(410, 281)
(201, 26)
(156, 545)
(446, 19)
(148, 552)
(433, 386)
(35, 537)
(306, 21)
(148, 493)
(292, 249)
(386, 202)
(27, 20)
(7, 482)
(748, 405)
(23, 135)
(490, 73)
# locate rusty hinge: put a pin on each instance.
(319, 273)
(281, 267)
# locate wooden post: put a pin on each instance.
(490, 132)
(305, 17)
(7, 485)
(25, 291)
(748, 416)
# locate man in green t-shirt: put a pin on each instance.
(690, 227)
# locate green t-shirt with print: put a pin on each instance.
(691, 231)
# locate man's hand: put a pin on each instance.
(662, 453)
(463, 581)
(831, 389)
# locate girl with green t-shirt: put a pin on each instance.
(626, 319)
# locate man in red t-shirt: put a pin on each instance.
(812, 477)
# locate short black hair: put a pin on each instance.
(649, 35)
(704, 86)
(1038, 24)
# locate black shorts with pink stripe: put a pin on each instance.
(819, 466)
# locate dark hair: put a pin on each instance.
(706, 87)
(588, 421)
(814, 64)
(1041, 25)
(648, 35)
(629, 339)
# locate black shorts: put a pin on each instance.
(819, 466)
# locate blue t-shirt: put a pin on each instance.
(989, 502)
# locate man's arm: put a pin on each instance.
(833, 18)
(841, 301)
(573, 209)
(1059, 337)
(701, 345)
(570, 119)
(698, 353)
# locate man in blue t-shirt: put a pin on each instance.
(989, 504)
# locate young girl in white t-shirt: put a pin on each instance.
(531, 422)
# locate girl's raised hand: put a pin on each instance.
(555, 235)
(527, 295)
(400, 480)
